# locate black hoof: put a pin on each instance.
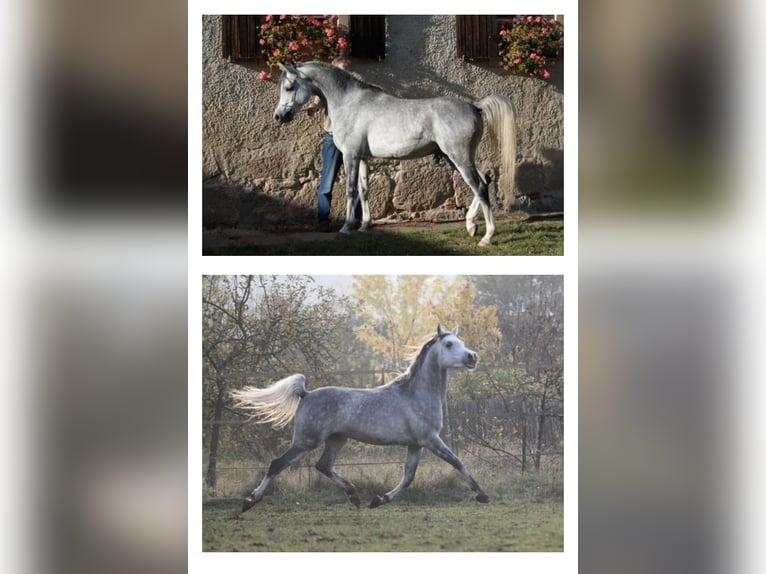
(377, 501)
(248, 503)
(355, 500)
(481, 497)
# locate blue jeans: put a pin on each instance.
(332, 159)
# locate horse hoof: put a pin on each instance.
(344, 231)
(481, 497)
(471, 229)
(364, 228)
(248, 503)
(355, 500)
(377, 501)
(484, 243)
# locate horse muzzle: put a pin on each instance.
(283, 117)
(471, 359)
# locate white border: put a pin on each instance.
(558, 562)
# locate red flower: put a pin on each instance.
(262, 41)
(546, 74)
(263, 76)
(342, 43)
(330, 32)
(269, 18)
(277, 52)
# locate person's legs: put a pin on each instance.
(331, 162)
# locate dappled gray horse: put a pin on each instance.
(407, 411)
(368, 122)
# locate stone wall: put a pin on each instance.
(255, 172)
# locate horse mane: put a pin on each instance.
(417, 358)
(343, 78)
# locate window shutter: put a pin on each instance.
(367, 35)
(239, 38)
(477, 38)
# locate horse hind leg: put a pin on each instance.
(413, 458)
(325, 466)
(479, 184)
(293, 455)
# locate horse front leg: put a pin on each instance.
(364, 197)
(351, 165)
(436, 445)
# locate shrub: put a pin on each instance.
(527, 42)
(291, 39)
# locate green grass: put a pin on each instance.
(431, 516)
(529, 236)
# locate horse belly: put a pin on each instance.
(388, 142)
(372, 436)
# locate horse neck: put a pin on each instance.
(430, 379)
(324, 83)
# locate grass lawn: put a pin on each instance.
(519, 235)
(503, 526)
(430, 516)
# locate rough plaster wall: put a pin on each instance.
(276, 169)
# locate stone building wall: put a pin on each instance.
(256, 172)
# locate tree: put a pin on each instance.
(257, 329)
(400, 312)
(531, 311)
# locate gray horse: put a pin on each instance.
(406, 411)
(368, 122)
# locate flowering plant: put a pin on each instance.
(526, 43)
(291, 39)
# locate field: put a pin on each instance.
(434, 514)
(517, 234)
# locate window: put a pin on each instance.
(477, 38)
(367, 35)
(240, 35)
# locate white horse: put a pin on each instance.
(407, 411)
(368, 122)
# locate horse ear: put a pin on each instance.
(290, 69)
(454, 331)
(439, 331)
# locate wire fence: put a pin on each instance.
(515, 429)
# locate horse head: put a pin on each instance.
(453, 354)
(294, 91)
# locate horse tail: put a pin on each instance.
(276, 404)
(500, 116)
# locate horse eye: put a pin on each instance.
(448, 344)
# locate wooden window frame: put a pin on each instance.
(478, 37)
(239, 37)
